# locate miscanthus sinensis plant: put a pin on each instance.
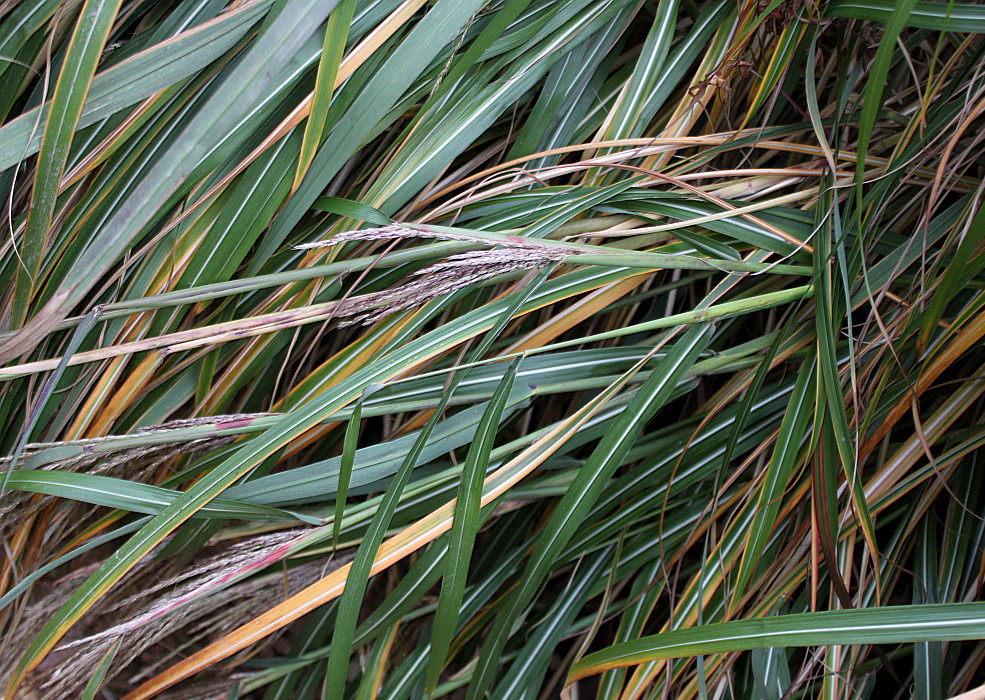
(601, 349)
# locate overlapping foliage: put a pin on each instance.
(641, 357)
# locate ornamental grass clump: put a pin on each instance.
(519, 349)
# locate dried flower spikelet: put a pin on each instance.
(385, 233)
(203, 602)
(442, 278)
(98, 456)
(200, 581)
(456, 272)
(400, 231)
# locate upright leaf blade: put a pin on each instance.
(464, 529)
(585, 490)
(240, 90)
(84, 50)
(336, 33)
